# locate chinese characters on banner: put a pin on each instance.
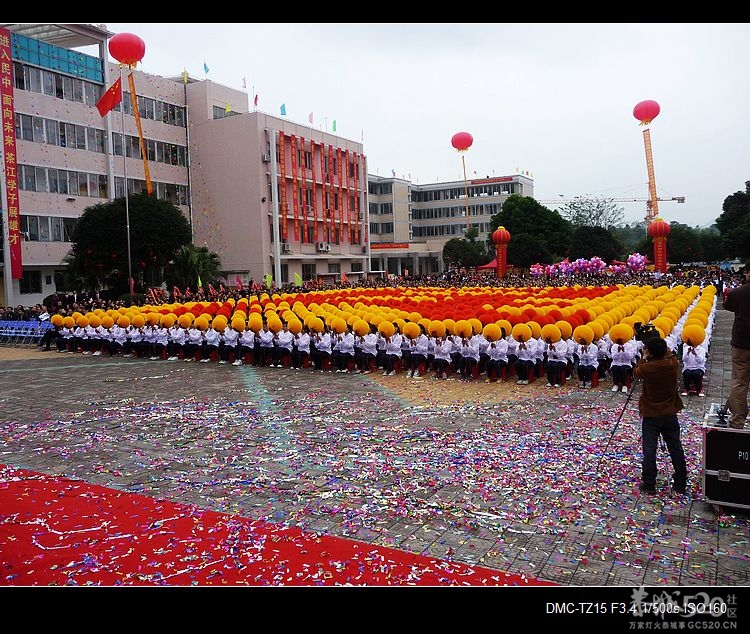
(8, 114)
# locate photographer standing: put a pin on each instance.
(658, 405)
(737, 301)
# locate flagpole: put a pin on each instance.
(125, 178)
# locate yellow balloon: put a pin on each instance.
(386, 328)
(492, 332)
(521, 332)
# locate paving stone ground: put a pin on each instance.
(525, 479)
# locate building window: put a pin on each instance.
(334, 267)
(31, 282)
(47, 228)
(308, 271)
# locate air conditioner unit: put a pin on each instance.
(323, 247)
(266, 158)
(286, 247)
(364, 250)
(328, 247)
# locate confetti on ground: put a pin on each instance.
(527, 480)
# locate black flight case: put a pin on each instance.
(726, 464)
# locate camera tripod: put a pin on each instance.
(617, 422)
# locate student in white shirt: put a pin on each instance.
(343, 350)
(301, 348)
(368, 350)
(443, 349)
(693, 369)
(284, 345)
(229, 344)
(210, 345)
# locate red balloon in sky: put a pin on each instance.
(127, 48)
(646, 111)
(462, 141)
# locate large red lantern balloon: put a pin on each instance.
(659, 229)
(501, 236)
(646, 111)
(126, 48)
(462, 141)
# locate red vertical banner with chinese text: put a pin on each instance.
(295, 187)
(331, 192)
(347, 174)
(282, 180)
(314, 201)
(365, 224)
(342, 235)
(356, 198)
(136, 114)
(10, 167)
(324, 190)
(303, 189)
(660, 254)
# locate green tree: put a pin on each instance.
(593, 212)
(537, 234)
(525, 249)
(588, 241)
(683, 245)
(631, 236)
(191, 263)
(734, 224)
(710, 241)
(686, 244)
(99, 256)
(466, 251)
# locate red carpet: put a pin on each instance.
(61, 532)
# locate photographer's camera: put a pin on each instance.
(644, 332)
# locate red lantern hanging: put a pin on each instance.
(659, 229)
(646, 111)
(127, 48)
(462, 141)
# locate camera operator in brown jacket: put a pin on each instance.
(738, 301)
(658, 404)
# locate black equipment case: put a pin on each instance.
(726, 466)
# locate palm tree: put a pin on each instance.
(192, 263)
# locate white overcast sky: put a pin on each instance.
(555, 100)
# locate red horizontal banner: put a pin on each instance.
(499, 179)
(389, 245)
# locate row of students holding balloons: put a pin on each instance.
(492, 353)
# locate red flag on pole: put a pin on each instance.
(239, 283)
(255, 101)
(111, 97)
